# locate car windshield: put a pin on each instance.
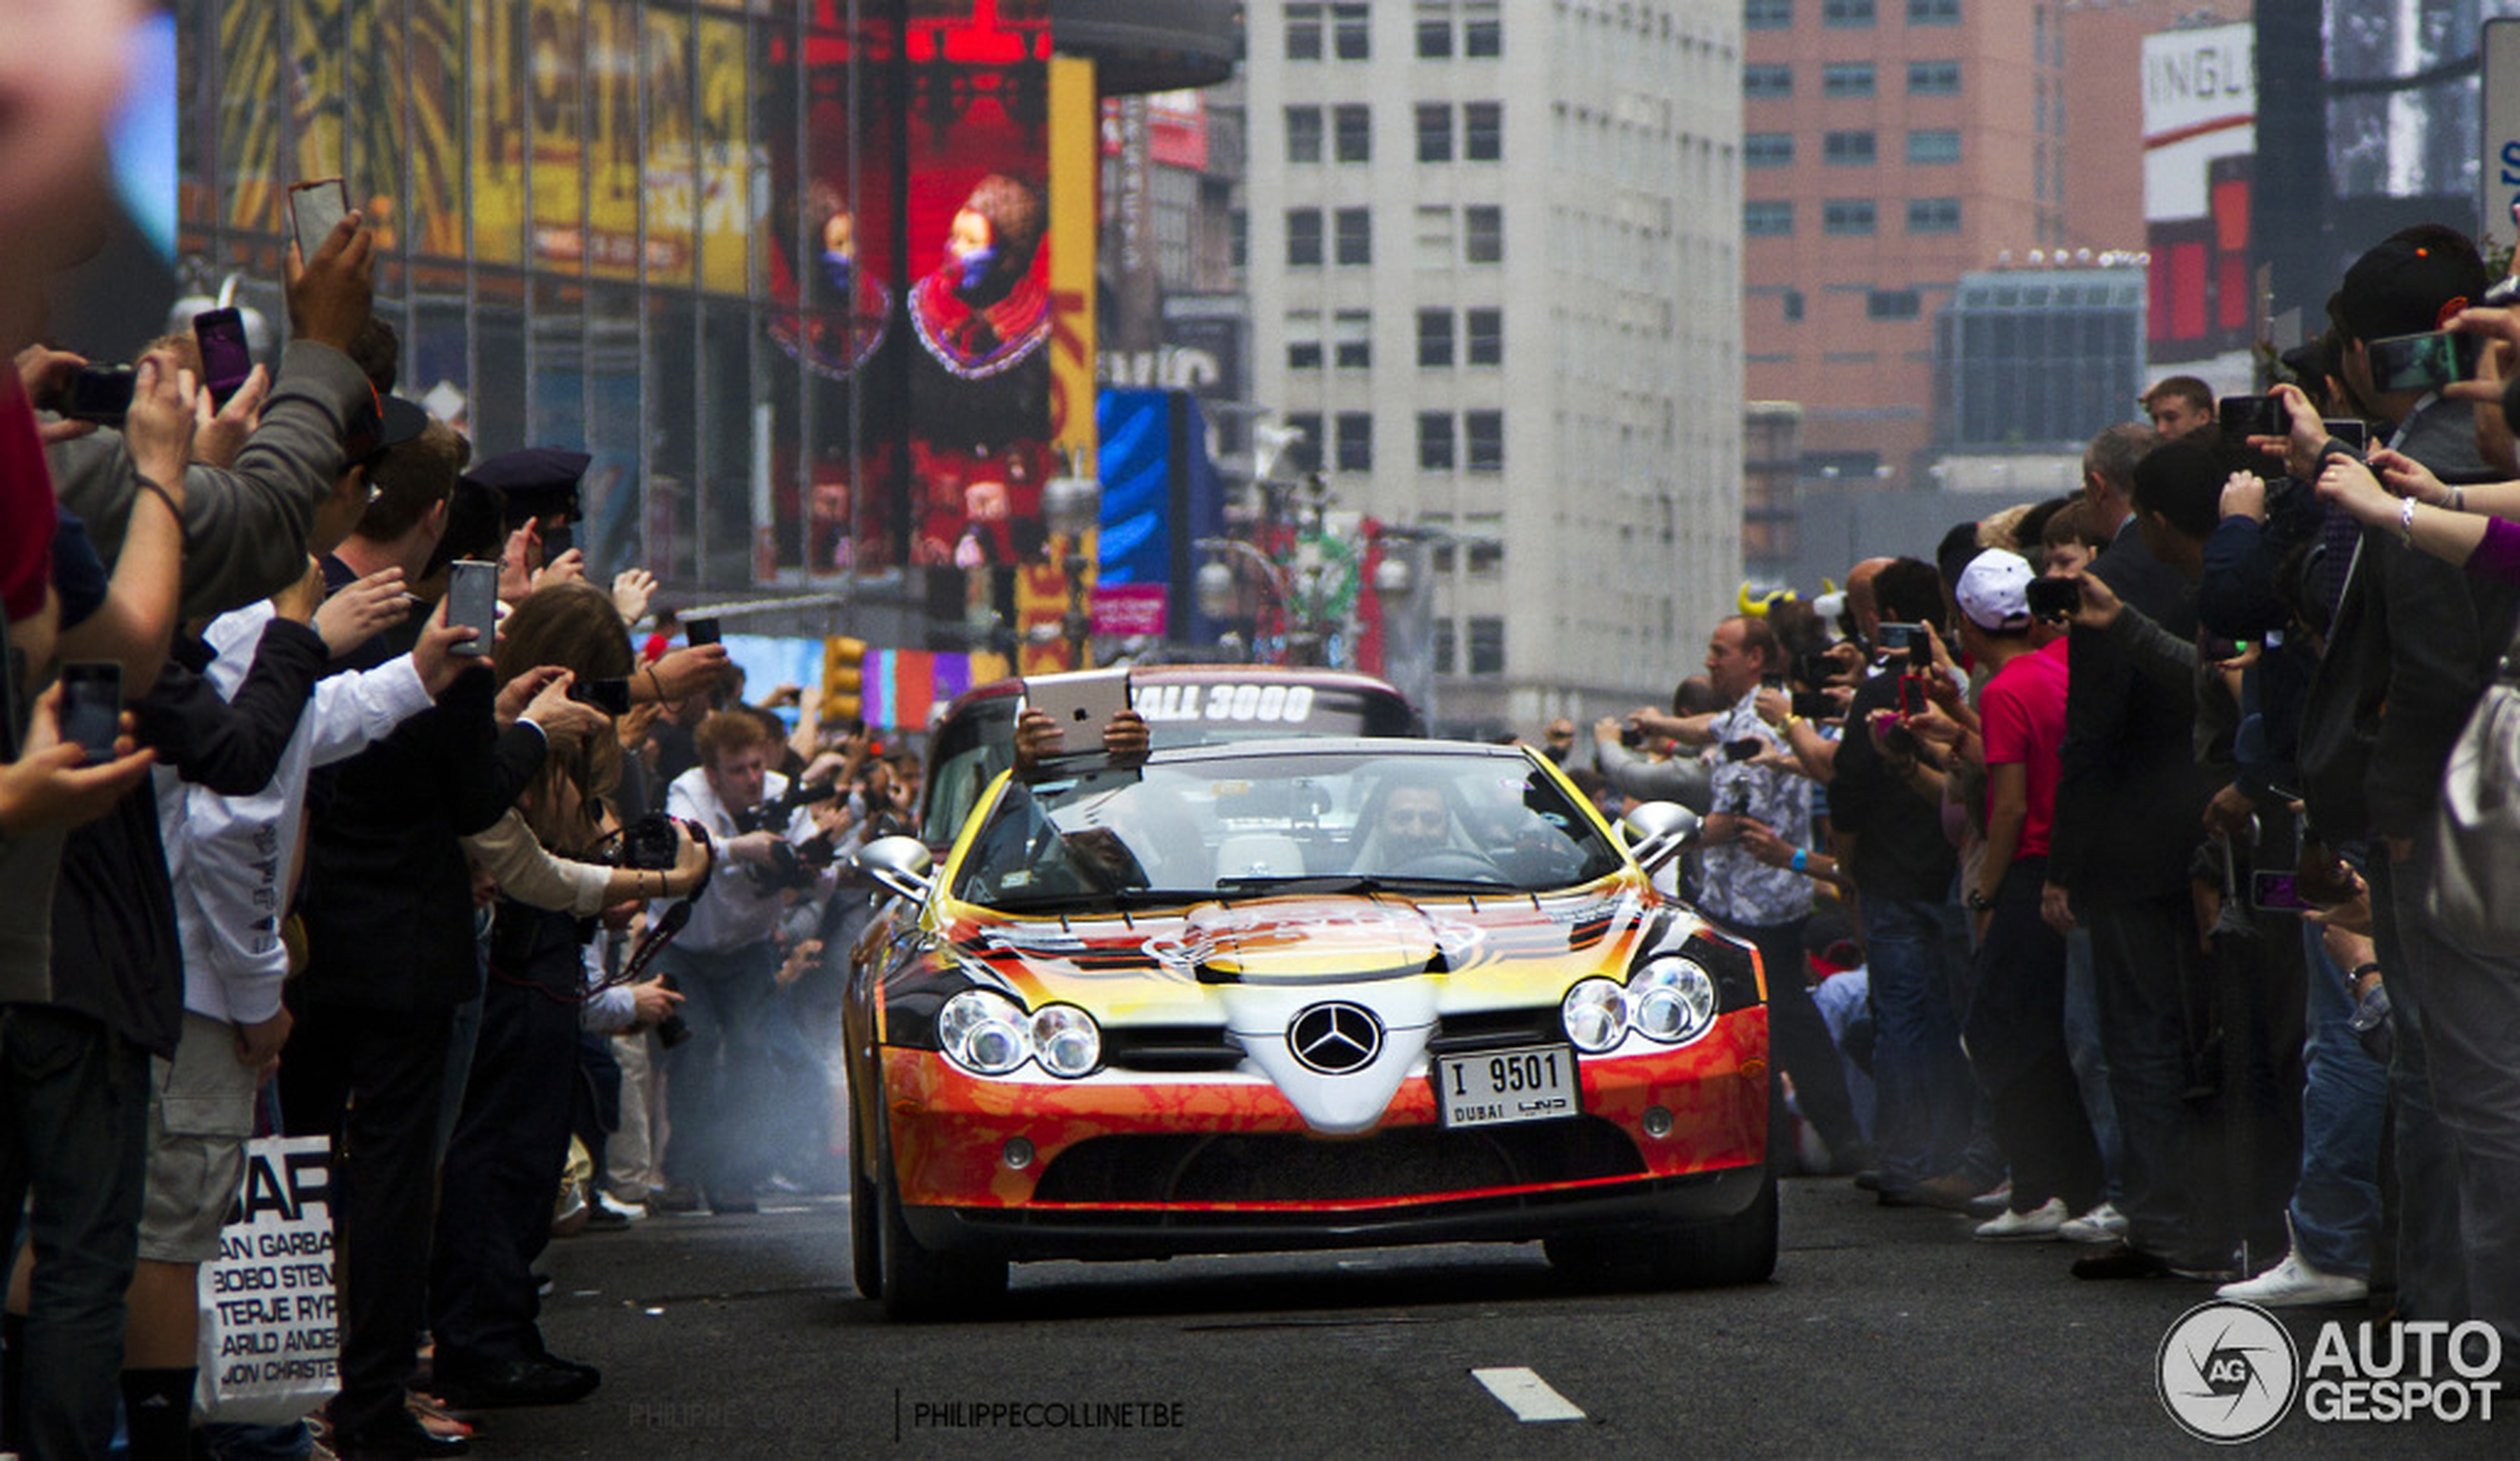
(1188, 830)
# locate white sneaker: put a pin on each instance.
(2294, 1283)
(2040, 1222)
(2102, 1224)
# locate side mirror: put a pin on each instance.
(901, 864)
(1659, 832)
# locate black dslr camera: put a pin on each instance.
(648, 845)
(790, 866)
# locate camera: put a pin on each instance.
(2243, 416)
(99, 393)
(673, 1030)
(649, 845)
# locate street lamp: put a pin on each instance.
(1217, 582)
(1071, 506)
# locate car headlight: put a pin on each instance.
(1595, 1012)
(1065, 1040)
(983, 1031)
(1671, 999)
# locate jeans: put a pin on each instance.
(2091, 1064)
(2470, 998)
(2432, 1277)
(2336, 1208)
(1922, 1079)
(717, 1090)
(77, 1101)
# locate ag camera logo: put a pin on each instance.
(2227, 1372)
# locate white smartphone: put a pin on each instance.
(1080, 703)
(315, 208)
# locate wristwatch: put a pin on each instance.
(1977, 901)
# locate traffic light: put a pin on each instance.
(843, 679)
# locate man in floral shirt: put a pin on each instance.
(1770, 904)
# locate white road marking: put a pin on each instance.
(1529, 1396)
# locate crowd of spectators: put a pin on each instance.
(353, 864)
(2107, 827)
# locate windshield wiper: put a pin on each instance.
(1359, 883)
(1103, 898)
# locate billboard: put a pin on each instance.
(2199, 149)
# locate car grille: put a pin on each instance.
(1196, 1048)
(1419, 1161)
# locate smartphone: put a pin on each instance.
(1745, 748)
(611, 696)
(225, 357)
(2276, 892)
(697, 631)
(2243, 416)
(99, 393)
(314, 209)
(2425, 362)
(1771, 681)
(1813, 704)
(1080, 703)
(1912, 696)
(2355, 433)
(1901, 639)
(2053, 600)
(91, 707)
(472, 600)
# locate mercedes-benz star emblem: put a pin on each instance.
(1336, 1039)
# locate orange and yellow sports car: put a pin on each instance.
(1302, 994)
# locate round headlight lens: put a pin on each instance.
(1671, 999)
(1065, 1040)
(1595, 1012)
(983, 1031)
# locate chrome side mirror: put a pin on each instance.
(901, 864)
(1658, 831)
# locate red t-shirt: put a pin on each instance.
(2023, 715)
(27, 514)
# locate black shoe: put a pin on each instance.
(2120, 1261)
(603, 1219)
(724, 1206)
(1868, 1180)
(526, 1381)
(399, 1438)
(1950, 1192)
(679, 1197)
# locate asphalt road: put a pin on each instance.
(1884, 1334)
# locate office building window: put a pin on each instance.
(1434, 440)
(1933, 78)
(1767, 14)
(1482, 29)
(1767, 150)
(1436, 240)
(1793, 306)
(1482, 131)
(1303, 32)
(1846, 78)
(1303, 237)
(1846, 14)
(1445, 640)
(1356, 241)
(1351, 36)
(1933, 147)
(1487, 332)
(1354, 129)
(1488, 644)
(1306, 454)
(1303, 339)
(1352, 339)
(1356, 442)
(1847, 215)
(1485, 433)
(1304, 134)
(1766, 82)
(1767, 218)
(1434, 131)
(1935, 12)
(1483, 234)
(1434, 30)
(1892, 304)
(1934, 215)
(1847, 149)
(1239, 238)
(1434, 337)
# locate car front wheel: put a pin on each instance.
(917, 1282)
(1741, 1249)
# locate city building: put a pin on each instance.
(1494, 265)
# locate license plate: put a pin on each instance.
(1536, 1084)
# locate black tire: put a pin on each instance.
(918, 1284)
(1726, 1250)
(865, 1241)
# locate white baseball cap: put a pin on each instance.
(1994, 590)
